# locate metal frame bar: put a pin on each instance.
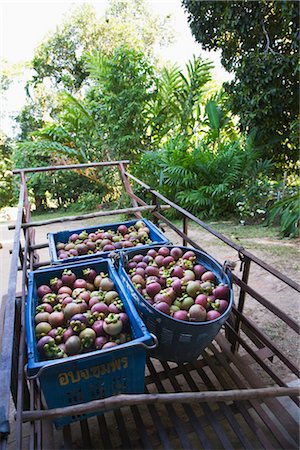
(29, 259)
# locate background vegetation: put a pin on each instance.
(98, 92)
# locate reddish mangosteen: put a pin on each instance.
(122, 229)
(137, 258)
(67, 333)
(108, 248)
(190, 255)
(97, 281)
(79, 283)
(72, 345)
(70, 310)
(221, 291)
(152, 252)
(55, 284)
(42, 317)
(68, 278)
(107, 284)
(82, 249)
(69, 246)
(126, 244)
(208, 276)
(108, 345)
(168, 261)
(177, 271)
(180, 315)
(138, 279)
(140, 271)
(152, 270)
(163, 307)
(199, 271)
(159, 260)
(63, 255)
(92, 237)
(56, 319)
(176, 253)
(64, 290)
(153, 288)
(50, 298)
(164, 251)
(91, 246)
(44, 307)
(43, 290)
(201, 299)
(212, 315)
(74, 237)
(85, 296)
(147, 259)
(197, 313)
(100, 341)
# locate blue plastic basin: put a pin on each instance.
(178, 341)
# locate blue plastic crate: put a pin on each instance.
(178, 341)
(89, 376)
(156, 236)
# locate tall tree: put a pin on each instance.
(259, 43)
(123, 84)
(61, 57)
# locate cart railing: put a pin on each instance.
(241, 331)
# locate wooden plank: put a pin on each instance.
(69, 166)
(241, 406)
(104, 432)
(195, 422)
(89, 216)
(6, 332)
(275, 406)
(209, 414)
(179, 397)
(178, 428)
(164, 438)
(22, 350)
(224, 408)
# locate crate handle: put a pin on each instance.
(154, 345)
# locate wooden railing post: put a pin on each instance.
(185, 228)
(128, 189)
(246, 262)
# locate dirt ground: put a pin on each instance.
(281, 254)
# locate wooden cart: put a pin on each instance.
(231, 397)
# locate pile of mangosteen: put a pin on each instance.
(76, 315)
(100, 241)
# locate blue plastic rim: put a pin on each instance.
(156, 236)
(179, 341)
(93, 375)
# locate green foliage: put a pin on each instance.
(288, 212)
(62, 56)
(210, 180)
(176, 106)
(29, 119)
(259, 43)
(7, 197)
(123, 85)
